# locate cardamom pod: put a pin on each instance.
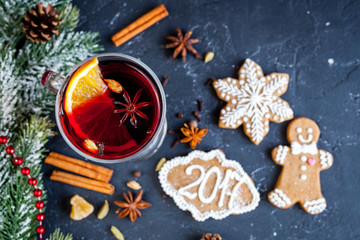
(116, 232)
(209, 56)
(133, 185)
(104, 210)
(160, 164)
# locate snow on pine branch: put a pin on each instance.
(9, 87)
(59, 55)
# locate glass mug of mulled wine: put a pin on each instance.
(110, 108)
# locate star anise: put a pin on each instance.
(131, 206)
(209, 236)
(193, 135)
(131, 108)
(183, 43)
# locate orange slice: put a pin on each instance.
(85, 84)
(86, 87)
(80, 208)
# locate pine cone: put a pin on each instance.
(40, 23)
(209, 236)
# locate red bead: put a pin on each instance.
(18, 161)
(41, 239)
(40, 217)
(32, 181)
(39, 204)
(40, 229)
(3, 139)
(10, 150)
(25, 171)
(37, 192)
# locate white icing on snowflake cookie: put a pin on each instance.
(208, 185)
(253, 100)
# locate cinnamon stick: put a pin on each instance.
(100, 169)
(140, 25)
(75, 168)
(82, 182)
(82, 179)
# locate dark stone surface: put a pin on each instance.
(294, 37)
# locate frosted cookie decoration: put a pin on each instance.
(208, 185)
(299, 181)
(253, 100)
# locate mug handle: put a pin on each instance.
(52, 81)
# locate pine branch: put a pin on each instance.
(8, 89)
(21, 95)
(69, 16)
(57, 235)
(17, 198)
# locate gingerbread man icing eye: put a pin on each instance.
(303, 131)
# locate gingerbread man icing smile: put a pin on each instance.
(299, 180)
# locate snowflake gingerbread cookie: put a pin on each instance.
(209, 185)
(299, 181)
(253, 100)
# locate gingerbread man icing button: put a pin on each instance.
(299, 181)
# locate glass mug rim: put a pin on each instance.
(162, 121)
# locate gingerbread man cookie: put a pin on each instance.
(253, 100)
(302, 162)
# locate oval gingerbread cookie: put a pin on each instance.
(208, 185)
(299, 181)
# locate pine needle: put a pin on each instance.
(57, 235)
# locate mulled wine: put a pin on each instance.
(117, 124)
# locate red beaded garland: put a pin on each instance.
(37, 192)
(25, 171)
(40, 217)
(18, 161)
(10, 150)
(40, 229)
(39, 204)
(3, 139)
(32, 181)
